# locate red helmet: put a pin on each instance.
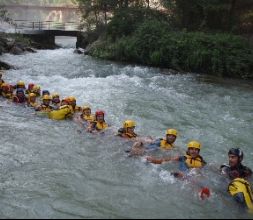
(30, 86)
(100, 113)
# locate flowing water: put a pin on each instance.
(51, 169)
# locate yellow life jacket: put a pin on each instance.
(101, 126)
(88, 118)
(165, 146)
(7, 95)
(78, 109)
(34, 104)
(44, 108)
(197, 162)
(240, 185)
(63, 113)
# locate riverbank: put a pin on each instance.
(146, 37)
(17, 44)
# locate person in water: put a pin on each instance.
(1, 82)
(36, 90)
(30, 88)
(99, 124)
(1, 78)
(20, 97)
(86, 115)
(191, 159)
(72, 102)
(167, 143)
(239, 188)
(56, 102)
(139, 148)
(20, 85)
(235, 169)
(32, 101)
(128, 130)
(7, 91)
(45, 106)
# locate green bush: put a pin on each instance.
(152, 42)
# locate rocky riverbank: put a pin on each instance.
(16, 45)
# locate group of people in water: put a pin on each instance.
(55, 108)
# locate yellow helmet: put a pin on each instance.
(32, 95)
(55, 95)
(86, 107)
(36, 88)
(194, 144)
(72, 98)
(172, 132)
(129, 124)
(46, 97)
(21, 83)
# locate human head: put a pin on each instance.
(129, 126)
(72, 101)
(56, 98)
(46, 100)
(45, 92)
(100, 116)
(193, 148)
(30, 86)
(32, 97)
(36, 90)
(20, 93)
(87, 110)
(20, 85)
(235, 156)
(171, 136)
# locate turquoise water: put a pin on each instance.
(53, 170)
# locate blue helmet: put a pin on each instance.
(45, 92)
(237, 152)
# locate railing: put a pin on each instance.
(46, 25)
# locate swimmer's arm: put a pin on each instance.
(162, 160)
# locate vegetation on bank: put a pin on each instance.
(200, 36)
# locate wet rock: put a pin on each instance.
(31, 50)
(5, 66)
(79, 51)
(16, 50)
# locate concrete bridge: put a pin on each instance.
(45, 31)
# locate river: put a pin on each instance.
(51, 169)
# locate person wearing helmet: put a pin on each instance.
(20, 97)
(167, 143)
(56, 102)
(30, 88)
(235, 169)
(72, 102)
(86, 114)
(99, 124)
(1, 80)
(45, 92)
(191, 159)
(20, 85)
(127, 131)
(239, 188)
(7, 91)
(32, 101)
(45, 106)
(36, 90)
(85, 118)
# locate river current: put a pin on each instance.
(52, 169)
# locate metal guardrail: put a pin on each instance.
(46, 25)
